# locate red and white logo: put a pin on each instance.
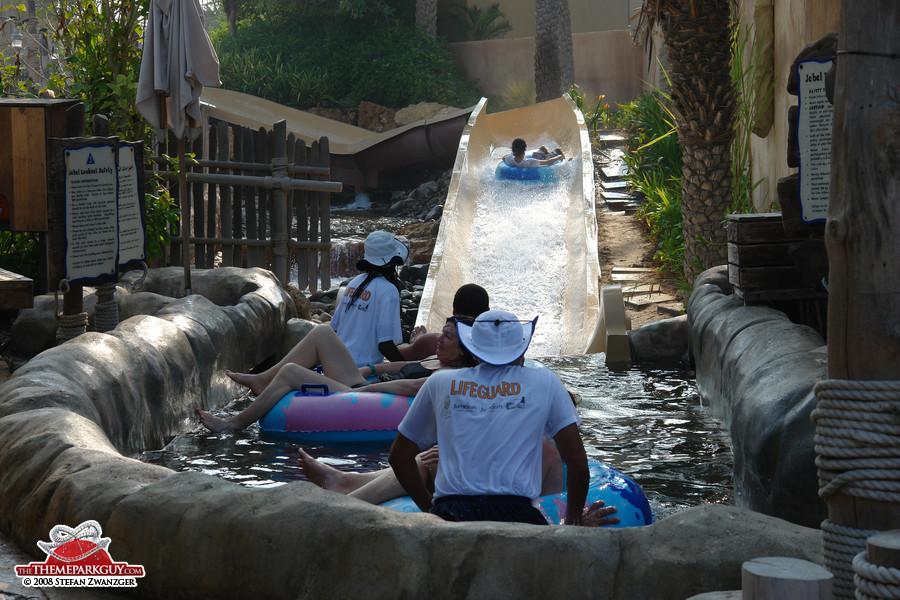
(78, 558)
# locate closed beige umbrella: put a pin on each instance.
(177, 61)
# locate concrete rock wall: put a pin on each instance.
(71, 419)
(755, 372)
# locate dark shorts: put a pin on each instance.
(509, 509)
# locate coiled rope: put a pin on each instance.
(70, 326)
(857, 445)
(874, 582)
(106, 314)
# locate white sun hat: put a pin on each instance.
(497, 337)
(381, 248)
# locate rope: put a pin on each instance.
(137, 285)
(857, 438)
(106, 315)
(70, 326)
(874, 582)
(840, 545)
(857, 445)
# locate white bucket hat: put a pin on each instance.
(381, 248)
(497, 337)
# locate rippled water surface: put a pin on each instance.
(647, 422)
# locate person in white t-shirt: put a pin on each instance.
(489, 422)
(367, 319)
(539, 159)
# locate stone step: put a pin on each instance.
(609, 195)
(625, 275)
(614, 171)
(640, 300)
(617, 185)
(626, 206)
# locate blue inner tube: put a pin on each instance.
(607, 483)
(545, 173)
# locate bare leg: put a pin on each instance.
(375, 487)
(321, 345)
(327, 477)
(290, 377)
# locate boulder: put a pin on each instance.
(664, 341)
(375, 118)
(73, 417)
(420, 112)
(755, 372)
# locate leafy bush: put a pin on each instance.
(597, 118)
(19, 253)
(327, 59)
(747, 69)
(654, 160)
(472, 23)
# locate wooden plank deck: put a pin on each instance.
(16, 291)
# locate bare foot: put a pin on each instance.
(214, 423)
(325, 476)
(247, 380)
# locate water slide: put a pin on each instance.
(359, 157)
(531, 244)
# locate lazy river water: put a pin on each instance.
(647, 422)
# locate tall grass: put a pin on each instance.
(653, 156)
(747, 70)
(596, 117)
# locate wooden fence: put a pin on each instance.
(260, 198)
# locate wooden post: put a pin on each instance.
(863, 216)
(280, 224)
(883, 549)
(877, 571)
(185, 218)
(780, 578)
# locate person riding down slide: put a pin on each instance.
(367, 319)
(339, 373)
(539, 159)
(489, 422)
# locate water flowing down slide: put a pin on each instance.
(531, 244)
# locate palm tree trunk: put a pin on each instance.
(554, 64)
(426, 16)
(698, 40)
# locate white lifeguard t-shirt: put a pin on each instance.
(526, 162)
(489, 423)
(373, 318)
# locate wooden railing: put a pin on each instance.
(261, 198)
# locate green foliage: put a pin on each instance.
(99, 44)
(267, 76)
(654, 163)
(747, 69)
(326, 58)
(19, 253)
(597, 118)
(161, 216)
(472, 23)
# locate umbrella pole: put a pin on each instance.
(185, 217)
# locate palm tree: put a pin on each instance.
(554, 65)
(697, 36)
(426, 16)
